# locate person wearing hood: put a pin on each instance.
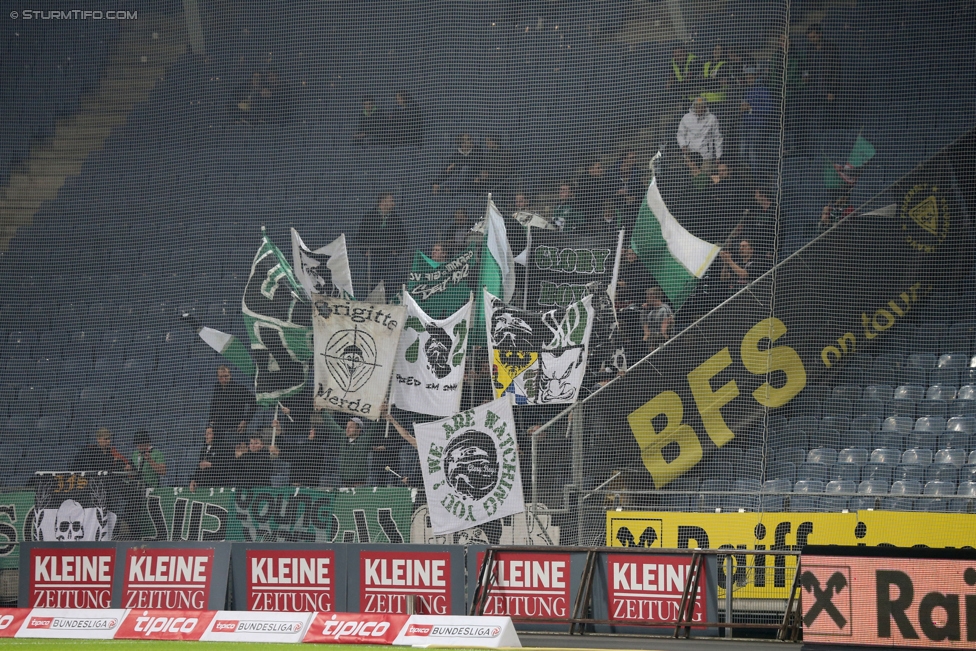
(406, 122)
(699, 133)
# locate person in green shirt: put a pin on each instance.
(564, 214)
(148, 463)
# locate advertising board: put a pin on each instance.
(432, 630)
(79, 575)
(761, 576)
(81, 623)
(245, 626)
(290, 579)
(529, 586)
(140, 624)
(11, 619)
(892, 597)
(644, 588)
(170, 576)
(383, 576)
(355, 628)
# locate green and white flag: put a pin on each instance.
(441, 288)
(497, 266)
(229, 347)
(674, 257)
(429, 369)
(278, 323)
(470, 465)
(836, 175)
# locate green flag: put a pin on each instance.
(441, 288)
(278, 323)
(674, 257)
(835, 175)
(497, 273)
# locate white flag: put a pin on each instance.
(470, 465)
(539, 357)
(355, 344)
(323, 270)
(429, 367)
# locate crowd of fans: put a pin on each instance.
(721, 125)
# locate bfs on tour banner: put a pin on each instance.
(471, 467)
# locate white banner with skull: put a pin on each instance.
(355, 344)
(470, 465)
(72, 506)
(429, 367)
(324, 271)
(539, 357)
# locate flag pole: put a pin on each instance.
(528, 256)
(274, 429)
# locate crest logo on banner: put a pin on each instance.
(71, 507)
(470, 466)
(429, 368)
(355, 345)
(539, 357)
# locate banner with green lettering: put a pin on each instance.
(16, 524)
(284, 514)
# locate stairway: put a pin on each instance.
(147, 46)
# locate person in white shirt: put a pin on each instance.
(699, 133)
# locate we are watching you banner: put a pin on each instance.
(471, 467)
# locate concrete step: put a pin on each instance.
(131, 74)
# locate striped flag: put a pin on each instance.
(676, 258)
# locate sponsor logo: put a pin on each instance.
(419, 629)
(649, 588)
(388, 577)
(161, 625)
(80, 578)
(169, 579)
(925, 217)
(284, 582)
(239, 626)
(72, 623)
(822, 602)
(529, 585)
(355, 628)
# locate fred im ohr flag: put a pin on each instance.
(470, 466)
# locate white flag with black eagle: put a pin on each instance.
(470, 465)
(355, 345)
(429, 367)
(324, 271)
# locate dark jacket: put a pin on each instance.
(407, 125)
(216, 474)
(375, 126)
(229, 406)
(382, 234)
(253, 469)
(465, 168)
